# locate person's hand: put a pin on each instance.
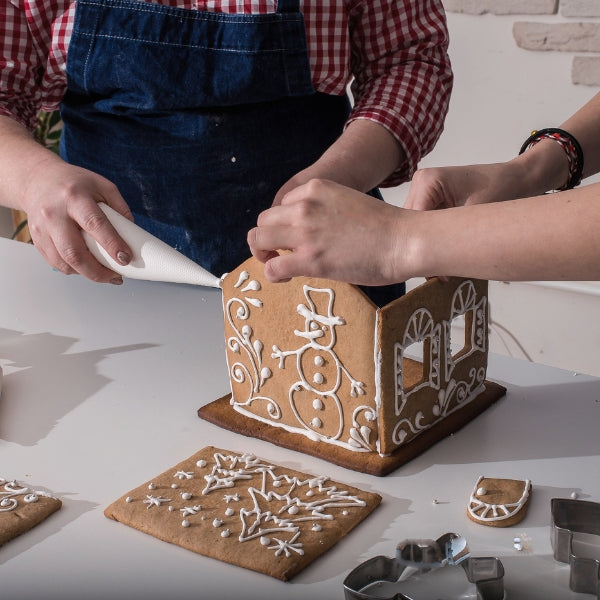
(60, 201)
(332, 231)
(446, 187)
(322, 169)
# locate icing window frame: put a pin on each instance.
(421, 331)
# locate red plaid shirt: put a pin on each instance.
(393, 51)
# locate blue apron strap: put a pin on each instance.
(286, 6)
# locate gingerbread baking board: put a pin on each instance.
(316, 366)
(245, 511)
(218, 412)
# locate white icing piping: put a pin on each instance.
(13, 491)
(377, 370)
(480, 509)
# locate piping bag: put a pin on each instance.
(152, 259)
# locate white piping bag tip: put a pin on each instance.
(153, 260)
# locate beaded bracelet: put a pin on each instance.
(569, 144)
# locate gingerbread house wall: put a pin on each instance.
(301, 356)
(416, 394)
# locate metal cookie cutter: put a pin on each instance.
(423, 556)
(570, 517)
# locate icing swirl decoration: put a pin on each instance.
(11, 492)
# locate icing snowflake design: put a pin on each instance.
(155, 501)
(13, 491)
(188, 511)
(287, 547)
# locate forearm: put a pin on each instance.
(544, 167)
(552, 237)
(362, 157)
(20, 157)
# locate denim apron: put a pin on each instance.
(197, 117)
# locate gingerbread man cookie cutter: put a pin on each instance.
(425, 555)
(570, 518)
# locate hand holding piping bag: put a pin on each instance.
(153, 259)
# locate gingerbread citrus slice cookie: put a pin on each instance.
(499, 502)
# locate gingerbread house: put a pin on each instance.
(316, 366)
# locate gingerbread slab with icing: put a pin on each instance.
(316, 366)
(245, 511)
(22, 508)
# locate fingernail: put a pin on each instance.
(123, 257)
(117, 281)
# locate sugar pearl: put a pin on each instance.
(481, 491)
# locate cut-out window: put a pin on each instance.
(459, 336)
(415, 364)
(461, 323)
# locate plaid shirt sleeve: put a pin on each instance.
(18, 65)
(402, 73)
(33, 46)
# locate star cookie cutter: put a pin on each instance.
(425, 555)
(571, 517)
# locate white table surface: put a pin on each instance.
(101, 388)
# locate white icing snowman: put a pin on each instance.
(319, 367)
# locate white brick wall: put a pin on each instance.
(581, 32)
(502, 7)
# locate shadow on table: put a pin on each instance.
(529, 423)
(70, 511)
(43, 382)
